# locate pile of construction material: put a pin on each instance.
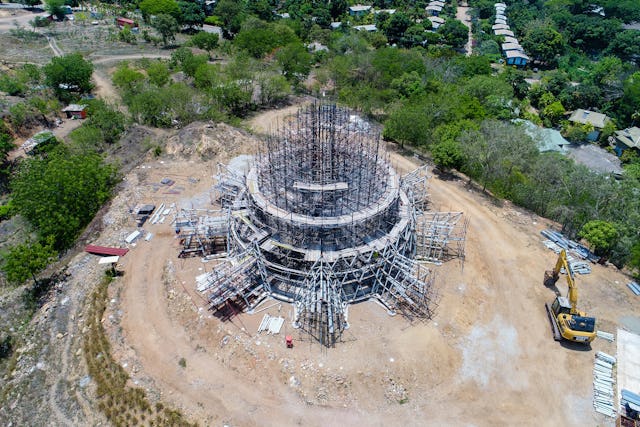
(271, 324)
(557, 242)
(635, 288)
(603, 384)
(605, 336)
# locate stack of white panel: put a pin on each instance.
(603, 384)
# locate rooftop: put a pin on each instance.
(629, 137)
(511, 46)
(359, 8)
(598, 120)
(370, 27)
(74, 107)
(516, 54)
(503, 33)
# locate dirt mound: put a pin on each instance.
(208, 140)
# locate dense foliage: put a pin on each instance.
(59, 193)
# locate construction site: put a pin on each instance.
(319, 218)
(310, 273)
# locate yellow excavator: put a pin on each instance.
(567, 322)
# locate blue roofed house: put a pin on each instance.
(597, 120)
(627, 139)
(517, 58)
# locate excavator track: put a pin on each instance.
(554, 323)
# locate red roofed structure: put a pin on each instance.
(105, 251)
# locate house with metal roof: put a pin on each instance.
(626, 139)
(516, 57)
(359, 10)
(503, 33)
(369, 28)
(506, 47)
(597, 120)
(433, 9)
(436, 21)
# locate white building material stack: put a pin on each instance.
(603, 384)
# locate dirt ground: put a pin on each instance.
(487, 358)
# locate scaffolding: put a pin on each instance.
(321, 220)
(440, 236)
(203, 232)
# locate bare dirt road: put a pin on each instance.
(462, 14)
(486, 359)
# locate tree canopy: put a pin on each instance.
(69, 75)
(59, 194)
(26, 260)
(167, 27)
(151, 8)
(543, 42)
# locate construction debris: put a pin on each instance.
(133, 236)
(556, 242)
(605, 335)
(603, 384)
(105, 251)
(335, 226)
(271, 324)
(635, 288)
(577, 266)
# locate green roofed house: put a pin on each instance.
(597, 120)
(37, 141)
(627, 139)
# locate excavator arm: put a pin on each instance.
(551, 277)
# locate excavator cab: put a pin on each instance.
(561, 305)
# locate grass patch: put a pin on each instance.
(122, 404)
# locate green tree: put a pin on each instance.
(396, 26)
(260, 8)
(54, 7)
(498, 155)
(260, 38)
(29, 3)
(205, 41)
(543, 42)
(447, 155)
(634, 261)
(128, 80)
(625, 45)
(59, 194)
(601, 235)
(408, 84)
(337, 8)
(26, 260)
(553, 112)
(106, 119)
(295, 61)
(232, 13)
(69, 75)
(167, 27)
(158, 73)
(191, 14)
(156, 8)
(454, 33)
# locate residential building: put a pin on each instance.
(597, 120)
(626, 139)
